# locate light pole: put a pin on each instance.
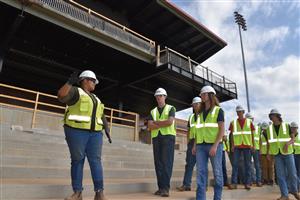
(241, 22)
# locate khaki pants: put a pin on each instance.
(267, 167)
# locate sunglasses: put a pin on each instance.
(91, 79)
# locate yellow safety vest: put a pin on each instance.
(207, 131)
(169, 130)
(79, 115)
(297, 144)
(242, 135)
(263, 149)
(256, 137)
(277, 142)
(192, 128)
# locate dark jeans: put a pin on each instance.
(190, 163)
(297, 164)
(85, 144)
(225, 178)
(247, 165)
(163, 151)
(256, 159)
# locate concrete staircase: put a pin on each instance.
(35, 164)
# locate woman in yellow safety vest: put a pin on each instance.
(280, 145)
(208, 143)
(83, 125)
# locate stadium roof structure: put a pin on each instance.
(133, 46)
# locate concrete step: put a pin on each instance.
(54, 189)
(107, 163)
(60, 188)
(110, 156)
(18, 171)
(58, 137)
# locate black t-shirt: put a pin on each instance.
(277, 127)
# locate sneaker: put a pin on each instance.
(158, 192)
(75, 196)
(296, 195)
(183, 188)
(283, 198)
(99, 195)
(164, 193)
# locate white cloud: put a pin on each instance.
(271, 84)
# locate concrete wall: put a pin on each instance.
(17, 116)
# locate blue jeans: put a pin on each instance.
(297, 164)
(163, 150)
(225, 178)
(286, 174)
(202, 155)
(247, 165)
(85, 144)
(190, 163)
(256, 159)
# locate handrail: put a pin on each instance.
(133, 120)
(194, 67)
(98, 22)
(112, 21)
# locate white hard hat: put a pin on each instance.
(88, 74)
(274, 111)
(207, 89)
(249, 116)
(239, 108)
(196, 100)
(160, 91)
(294, 125)
(264, 125)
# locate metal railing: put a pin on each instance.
(35, 101)
(98, 22)
(168, 55)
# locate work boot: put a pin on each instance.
(183, 188)
(296, 195)
(232, 187)
(75, 196)
(99, 195)
(247, 187)
(158, 192)
(164, 193)
(283, 198)
(259, 184)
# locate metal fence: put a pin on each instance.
(98, 22)
(39, 102)
(168, 55)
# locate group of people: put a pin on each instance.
(270, 145)
(275, 143)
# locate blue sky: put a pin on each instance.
(272, 53)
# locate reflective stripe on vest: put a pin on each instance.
(297, 144)
(277, 142)
(79, 115)
(169, 130)
(207, 131)
(192, 124)
(242, 135)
